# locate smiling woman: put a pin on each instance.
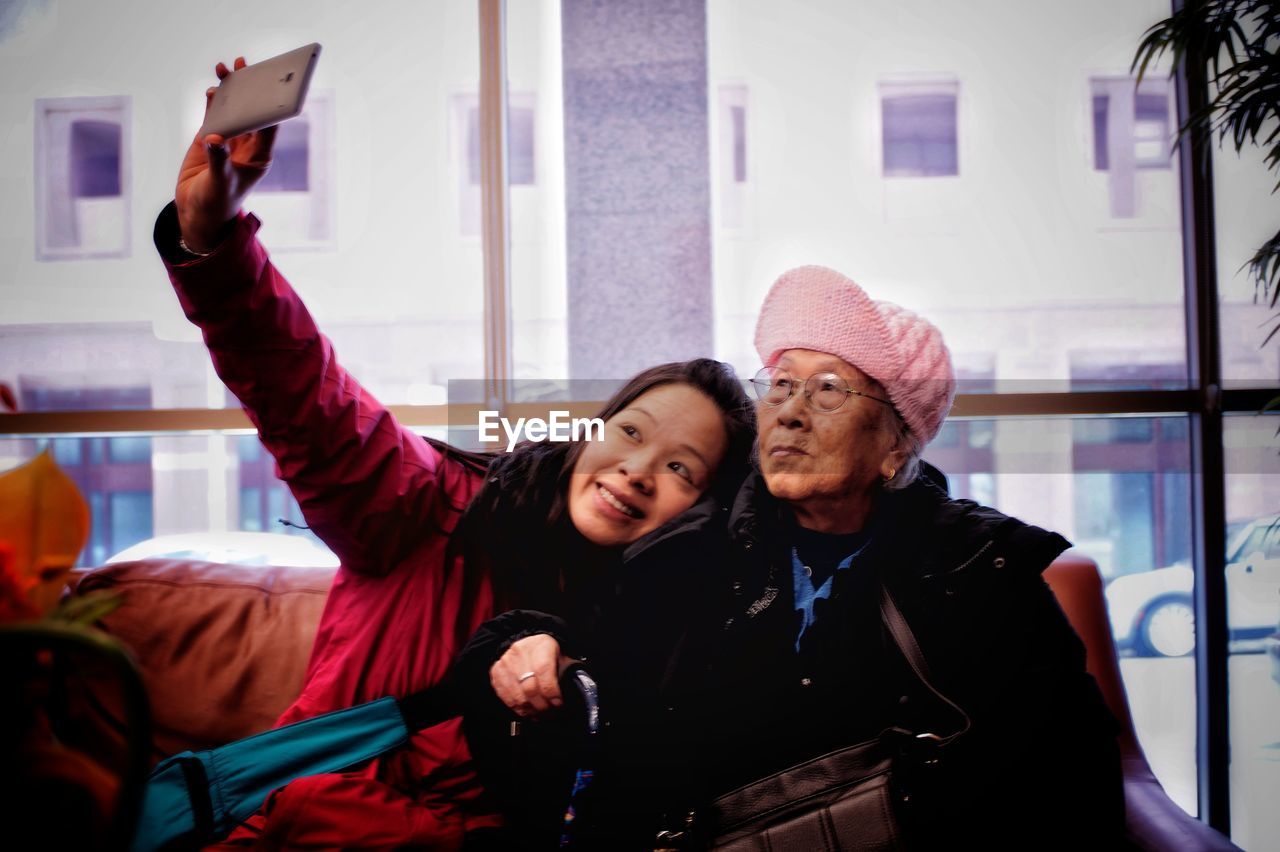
(430, 537)
(657, 457)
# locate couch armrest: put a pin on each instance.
(222, 648)
(1154, 822)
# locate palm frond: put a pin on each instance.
(1238, 43)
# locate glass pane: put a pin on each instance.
(919, 135)
(130, 518)
(1245, 218)
(179, 496)
(289, 158)
(1253, 617)
(250, 509)
(1052, 254)
(539, 284)
(362, 182)
(95, 159)
(66, 451)
(129, 450)
(1123, 502)
(82, 184)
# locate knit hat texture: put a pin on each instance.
(813, 307)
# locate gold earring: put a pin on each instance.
(893, 471)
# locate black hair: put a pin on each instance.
(517, 527)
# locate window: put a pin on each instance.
(82, 177)
(290, 159)
(113, 474)
(1058, 252)
(520, 151)
(519, 142)
(1140, 119)
(1132, 131)
(731, 154)
(296, 198)
(919, 129)
(265, 502)
(965, 449)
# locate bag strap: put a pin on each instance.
(201, 801)
(910, 648)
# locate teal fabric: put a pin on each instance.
(241, 774)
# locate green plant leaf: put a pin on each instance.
(1237, 44)
(88, 608)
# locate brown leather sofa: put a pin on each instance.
(223, 650)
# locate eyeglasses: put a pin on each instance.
(823, 391)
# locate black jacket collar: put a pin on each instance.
(928, 532)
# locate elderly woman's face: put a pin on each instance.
(810, 455)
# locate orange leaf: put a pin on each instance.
(45, 520)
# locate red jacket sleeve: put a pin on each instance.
(368, 487)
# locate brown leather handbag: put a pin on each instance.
(844, 800)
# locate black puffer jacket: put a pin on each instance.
(694, 645)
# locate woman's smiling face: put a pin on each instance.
(658, 455)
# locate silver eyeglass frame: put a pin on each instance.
(765, 376)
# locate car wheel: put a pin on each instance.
(1169, 628)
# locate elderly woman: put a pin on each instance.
(797, 649)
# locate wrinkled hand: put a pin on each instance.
(217, 175)
(530, 696)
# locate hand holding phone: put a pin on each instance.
(262, 94)
(220, 169)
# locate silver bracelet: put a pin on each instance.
(182, 244)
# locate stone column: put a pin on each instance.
(637, 184)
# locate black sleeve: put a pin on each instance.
(1042, 766)
(497, 635)
(526, 768)
(167, 235)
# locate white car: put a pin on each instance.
(234, 548)
(1152, 612)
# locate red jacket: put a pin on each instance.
(383, 500)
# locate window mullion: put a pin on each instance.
(1208, 485)
(495, 226)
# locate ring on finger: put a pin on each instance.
(526, 676)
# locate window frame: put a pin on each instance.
(891, 88)
(44, 171)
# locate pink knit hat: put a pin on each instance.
(813, 307)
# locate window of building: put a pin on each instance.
(521, 171)
(290, 159)
(919, 129)
(82, 177)
(964, 450)
(296, 195)
(1125, 118)
(265, 502)
(519, 140)
(731, 154)
(1132, 133)
(113, 474)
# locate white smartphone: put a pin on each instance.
(261, 94)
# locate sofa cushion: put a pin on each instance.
(222, 648)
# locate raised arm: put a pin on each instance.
(368, 487)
